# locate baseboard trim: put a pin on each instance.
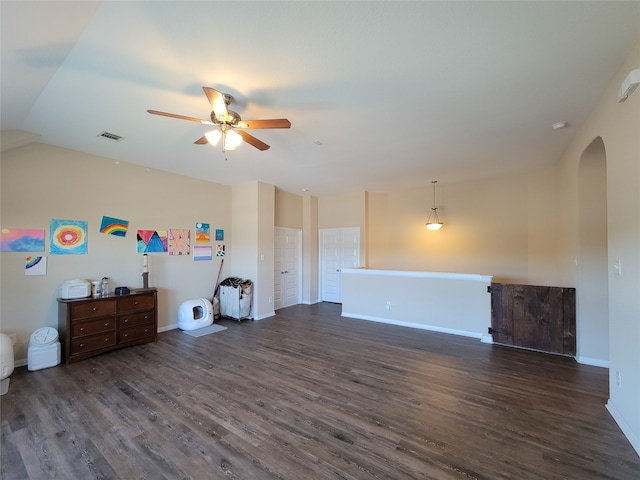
(420, 326)
(595, 362)
(626, 429)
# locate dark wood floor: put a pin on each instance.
(310, 395)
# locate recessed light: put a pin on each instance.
(559, 125)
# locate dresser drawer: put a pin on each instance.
(133, 319)
(91, 327)
(94, 342)
(92, 309)
(134, 334)
(136, 302)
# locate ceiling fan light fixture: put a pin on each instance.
(232, 139)
(213, 137)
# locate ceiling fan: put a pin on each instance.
(230, 128)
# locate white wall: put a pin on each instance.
(41, 182)
(430, 301)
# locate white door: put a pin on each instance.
(286, 267)
(339, 248)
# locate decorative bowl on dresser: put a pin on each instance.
(89, 326)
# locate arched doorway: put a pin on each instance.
(592, 294)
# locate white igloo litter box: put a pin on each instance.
(194, 314)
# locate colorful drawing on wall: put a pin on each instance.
(35, 266)
(203, 234)
(201, 252)
(220, 250)
(179, 241)
(114, 226)
(68, 237)
(219, 235)
(21, 240)
(152, 241)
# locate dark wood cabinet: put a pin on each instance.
(89, 326)
(535, 317)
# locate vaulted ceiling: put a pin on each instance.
(381, 95)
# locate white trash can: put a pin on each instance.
(44, 349)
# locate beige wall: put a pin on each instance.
(41, 182)
(618, 125)
(501, 227)
(288, 212)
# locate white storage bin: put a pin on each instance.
(44, 349)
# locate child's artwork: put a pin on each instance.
(201, 252)
(35, 266)
(203, 234)
(114, 226)
(219, 235)
(21, 240)
(152, 241)
(179, 241)
(68, 237)
(220, 250)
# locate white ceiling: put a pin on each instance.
(381, 95)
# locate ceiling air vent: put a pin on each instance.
(111, 136)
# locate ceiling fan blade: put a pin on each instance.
(180, 117)
(271, 123)
(202, 140)
(251, 140)
(218, 103)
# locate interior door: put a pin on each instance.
(339, 248)
(286, 267)
(535, 317)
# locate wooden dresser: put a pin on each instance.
(89, 326)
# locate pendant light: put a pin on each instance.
(433, 222)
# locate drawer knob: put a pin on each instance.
(106, 324)
(94, 308)
(146, 316)
(82, 329)
(146, 330)
(126, 335)
(135, 303)
(82, 344)
(106, 339)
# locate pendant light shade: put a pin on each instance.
(433, 222)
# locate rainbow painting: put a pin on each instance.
(21, 240)
(68, 237)
(114, 226)
(35, 266)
